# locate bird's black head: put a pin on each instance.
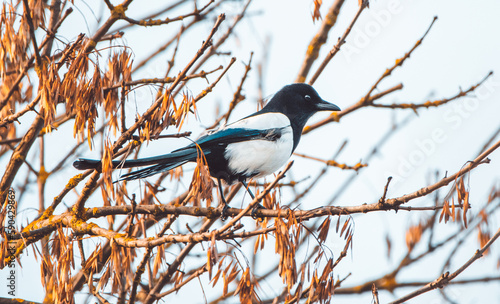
(298, 101)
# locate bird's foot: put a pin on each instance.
(254, 211)
(223, 213)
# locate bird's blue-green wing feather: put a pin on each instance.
(232, 135)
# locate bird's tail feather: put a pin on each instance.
(84, 163)
(159, 163)
(152, 170)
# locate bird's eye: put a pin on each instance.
(307, 97)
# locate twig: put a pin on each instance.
(18, 156)
(215, 46)
(174, 267)
(72, 152)
(435, 103)
(16, 83)
(490, 140)
(157, 22)
(445, 181)
(372, 153)
(319, 39)
(123, 126)
(213, 84)
(333, 163)
(154, 15)
(318, 177)
(159, 80)
(109, 5)
(356, 290)
(368, 99)
(176, 135)
(177, 287)
(382, 199)
(336, 116)
(237, 97)
(340, 42)
(445, 278)
(114, 36)
(399, 62)
(138, 273)
(27, 15)
(14, 117)
(132, 216)
(387, 281)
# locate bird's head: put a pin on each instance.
(299, 99)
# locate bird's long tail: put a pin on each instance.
(159, 163)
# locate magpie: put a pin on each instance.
(252, 147)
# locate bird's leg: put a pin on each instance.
(223, 214)
(258, 206)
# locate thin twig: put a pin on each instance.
(445, 278)
(399, 62)
(157, 22)
(435, 103)
(382, 199)
(27, 15)
(336, 116)
(319, 40)
(340, 42)
(159, 80)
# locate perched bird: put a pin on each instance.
(252, 147)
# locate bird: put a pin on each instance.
(252, 147)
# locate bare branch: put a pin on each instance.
(340, 42)
(445, 278)
(319, 39)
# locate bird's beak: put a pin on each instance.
(326, 106)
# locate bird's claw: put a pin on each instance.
(253, 214)
(223, 213)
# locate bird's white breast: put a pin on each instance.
(261, 157)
